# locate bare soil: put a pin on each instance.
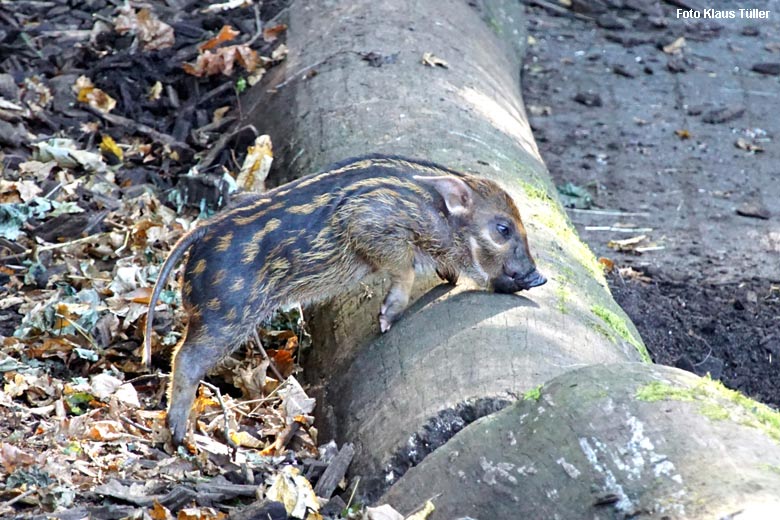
(679, 146)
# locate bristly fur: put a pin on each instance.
(318, 235)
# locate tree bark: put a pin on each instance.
(608, 441)
(456, 354)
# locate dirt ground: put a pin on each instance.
(675, 140)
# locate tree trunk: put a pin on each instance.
(456, 354)
(610, 441)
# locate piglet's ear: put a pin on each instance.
(456, 193)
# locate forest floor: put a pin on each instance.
(670, 125)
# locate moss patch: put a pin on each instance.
(562, 296)
(533, 394)
(619, 326)
(714, 412)
(549, 213)
(658, 391)
(717, 403)
(772, 468)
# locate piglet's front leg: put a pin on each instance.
(397, 298)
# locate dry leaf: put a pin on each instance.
(226, 6)
(433, 61)
(294, 491)
(744, 144)
(140, 295)
(160, 512)
(109, 146)
(383, 512)
(683, 134)
(200, 513)
(12, 457)
(246, 440)
(155, 91)
(219, 114)
(105, 430)
(222, 60)
(627, 244)
(256, 166)
(270, 34)
(86, 92)
(675, 47)
(424, 513)
(226, 34)
(607, 264)
(37, 95)
(19, 191)
(632, 274)
(153, 33)
(280, 53)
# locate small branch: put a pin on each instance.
(615, 212)
(17, 498)
(139, 127)
(228, 438)
(265, 356)
(130, 422)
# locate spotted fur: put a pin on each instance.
(319, 235)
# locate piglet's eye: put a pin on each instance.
(503, 230)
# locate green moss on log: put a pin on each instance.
(717, 403)
(550, 214)
(533, 394)
(619, 326)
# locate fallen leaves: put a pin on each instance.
(683, 134)
(675, 47)
(637, 244)
(226, 34)
(153, 33)
(86, 92)
(744, 144)
(83, 236)
(222, 60)
(256, 166)
(270, 34)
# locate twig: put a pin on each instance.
(68, 243)
(609, 212)
(140, 127)
(78, 329)
(134, 424)
(265, 356)
(217, 147)
(352, 495)
(213, 92)
(18, 498)
(619, 229)
(258, 26)
(228, 438)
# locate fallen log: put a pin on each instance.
(439, 81)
